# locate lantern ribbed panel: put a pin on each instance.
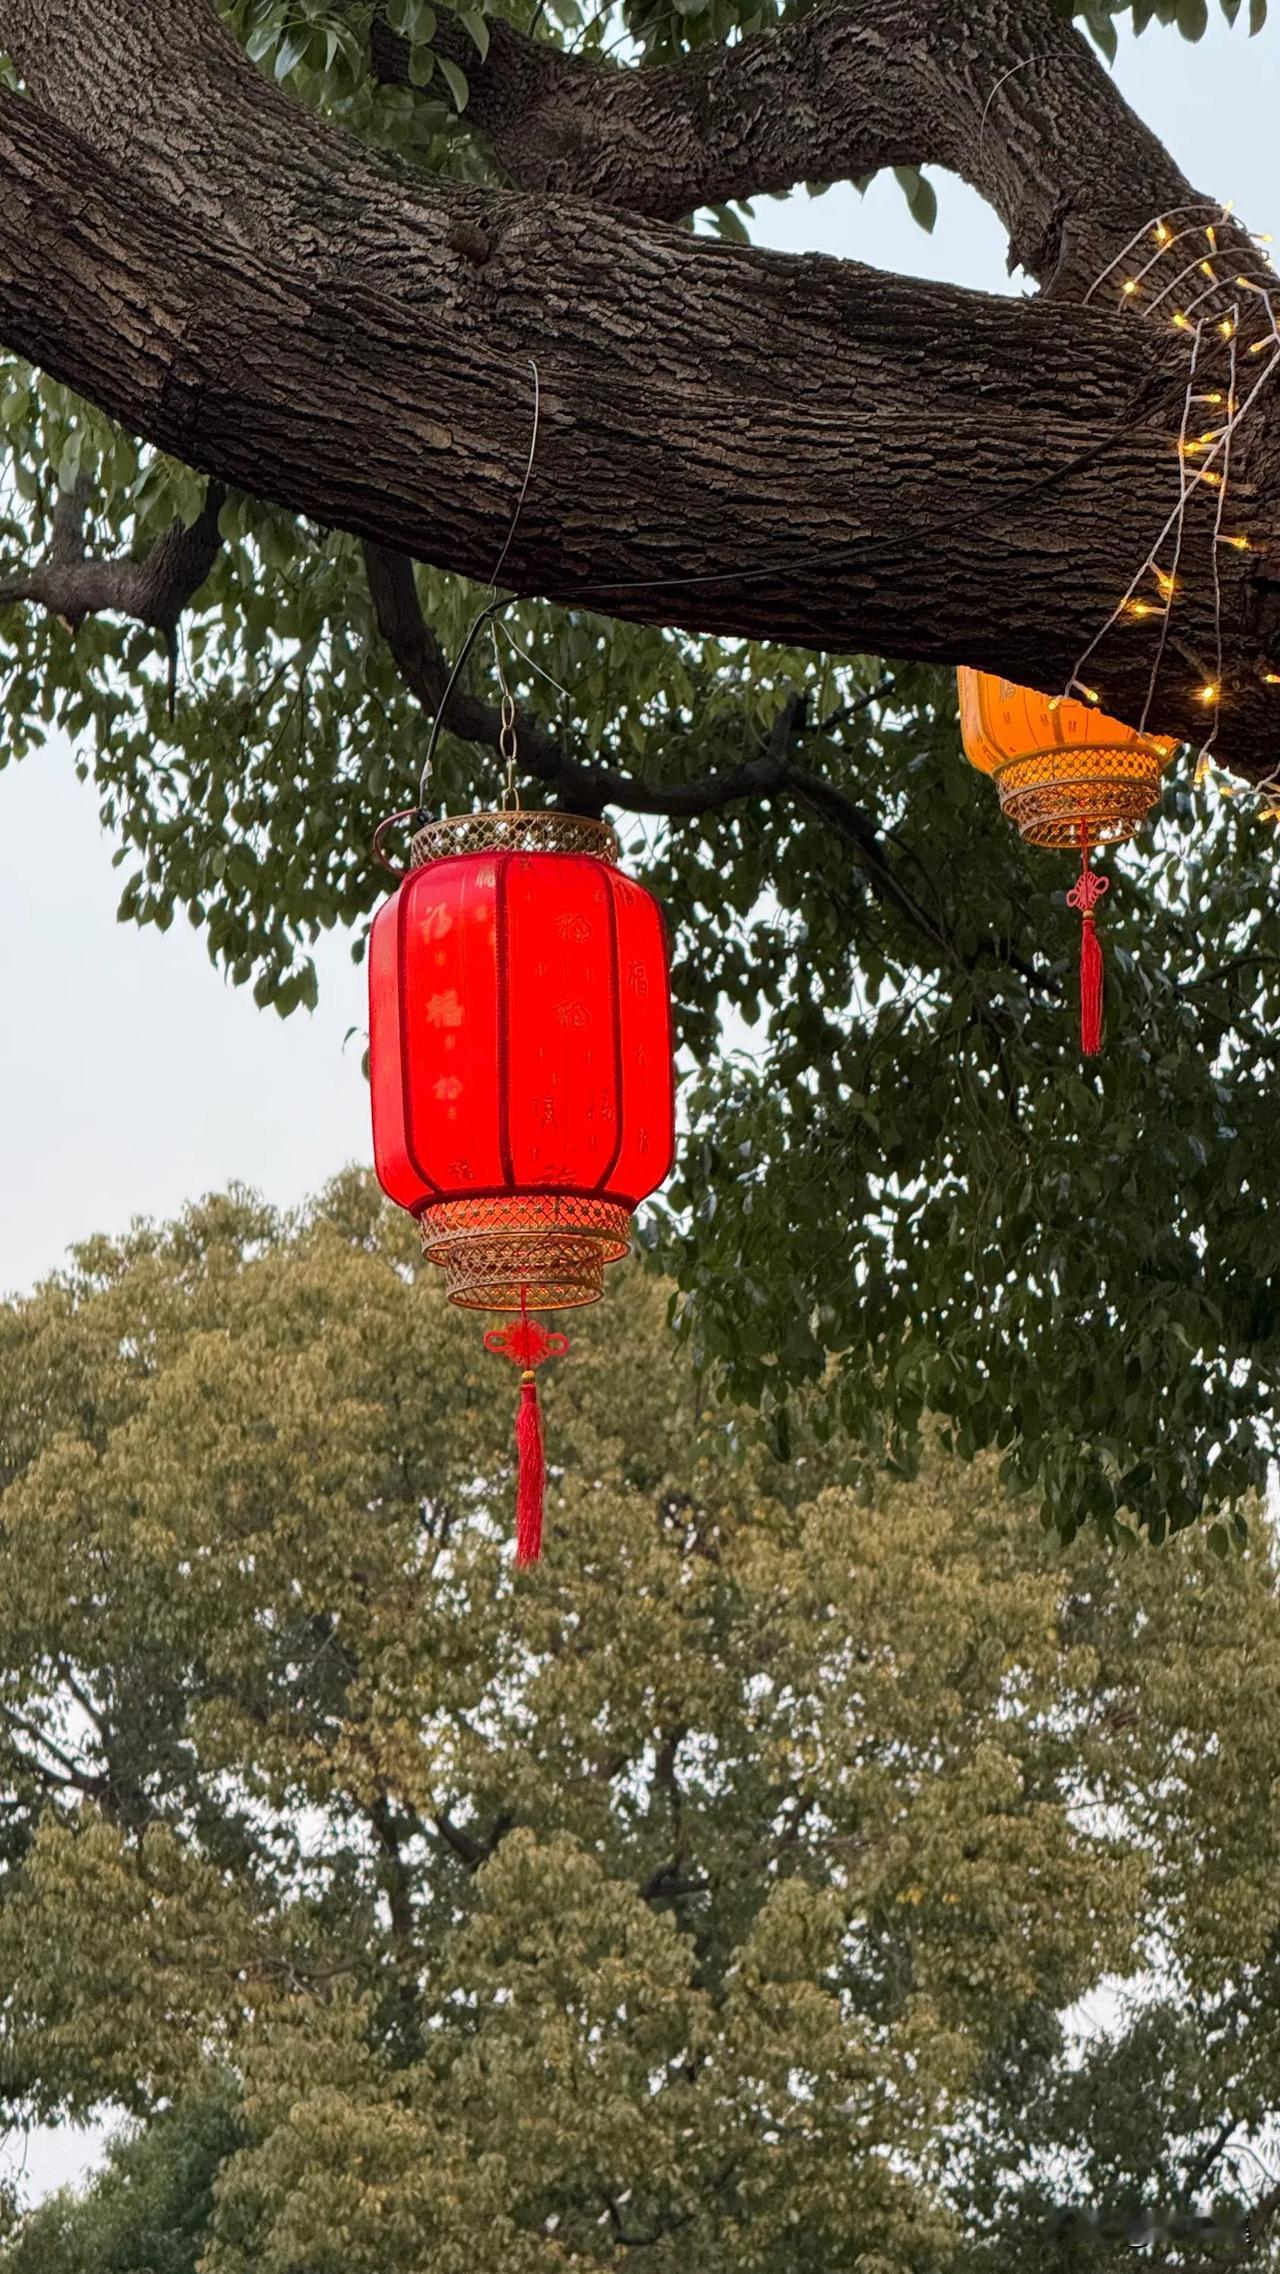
(521, 1055)
(1061, 768)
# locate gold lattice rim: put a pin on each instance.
(1108, 761)
(525, 1251)
(1101, 791)
(542, 830)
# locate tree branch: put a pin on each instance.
(466, 1847)
(732, 440)
(582, 789)
(1010, 97)
(589, 789)
(155, 589)
(395, 1875)
(1254, 2228)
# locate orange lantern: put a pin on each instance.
(1067, 775)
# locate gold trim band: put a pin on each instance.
(1055, 794)
(516, 1252)
(544, 830)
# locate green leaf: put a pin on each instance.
(1102, 31)
(69, 464)
(729, 224)
(263, 37)
(478, 28)
(922, 202)
(456, 81)
(289, 55)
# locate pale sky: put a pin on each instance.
(138, 1079)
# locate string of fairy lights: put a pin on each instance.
(1175, 270)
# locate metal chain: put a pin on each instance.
(508, 743)
(509, 747)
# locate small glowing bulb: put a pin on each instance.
(1130, 284)
(1209, 693)
(1207, 475)
(1212, 236)
(1163, 233)
(1227, 328)
(1202, 768)
(1238, 544)
(1091, 694)
(1181, 323)
(1165, 582)
(1206, 269)
(1271, 678)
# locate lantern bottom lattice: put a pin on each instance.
(525, 1251)
(1075, 796)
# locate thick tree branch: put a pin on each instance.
(155, 589)
(730, 440)
(1004, 93)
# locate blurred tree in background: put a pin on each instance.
(900, 1164)
(797, 1872)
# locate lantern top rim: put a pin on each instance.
(544, 829)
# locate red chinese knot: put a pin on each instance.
(521, 1066)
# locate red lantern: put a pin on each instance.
(521, 1072)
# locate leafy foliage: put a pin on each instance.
(899, 1185)
(720, 1892)
(149, 2209)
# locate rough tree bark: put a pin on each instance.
(730, 439)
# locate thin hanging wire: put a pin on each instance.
(491, 607)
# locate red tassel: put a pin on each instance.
(1085, 894)
(531, 1486)
(1090, 989)
(528, 1345)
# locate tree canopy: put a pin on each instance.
(898, 1183)
(798, 1870)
